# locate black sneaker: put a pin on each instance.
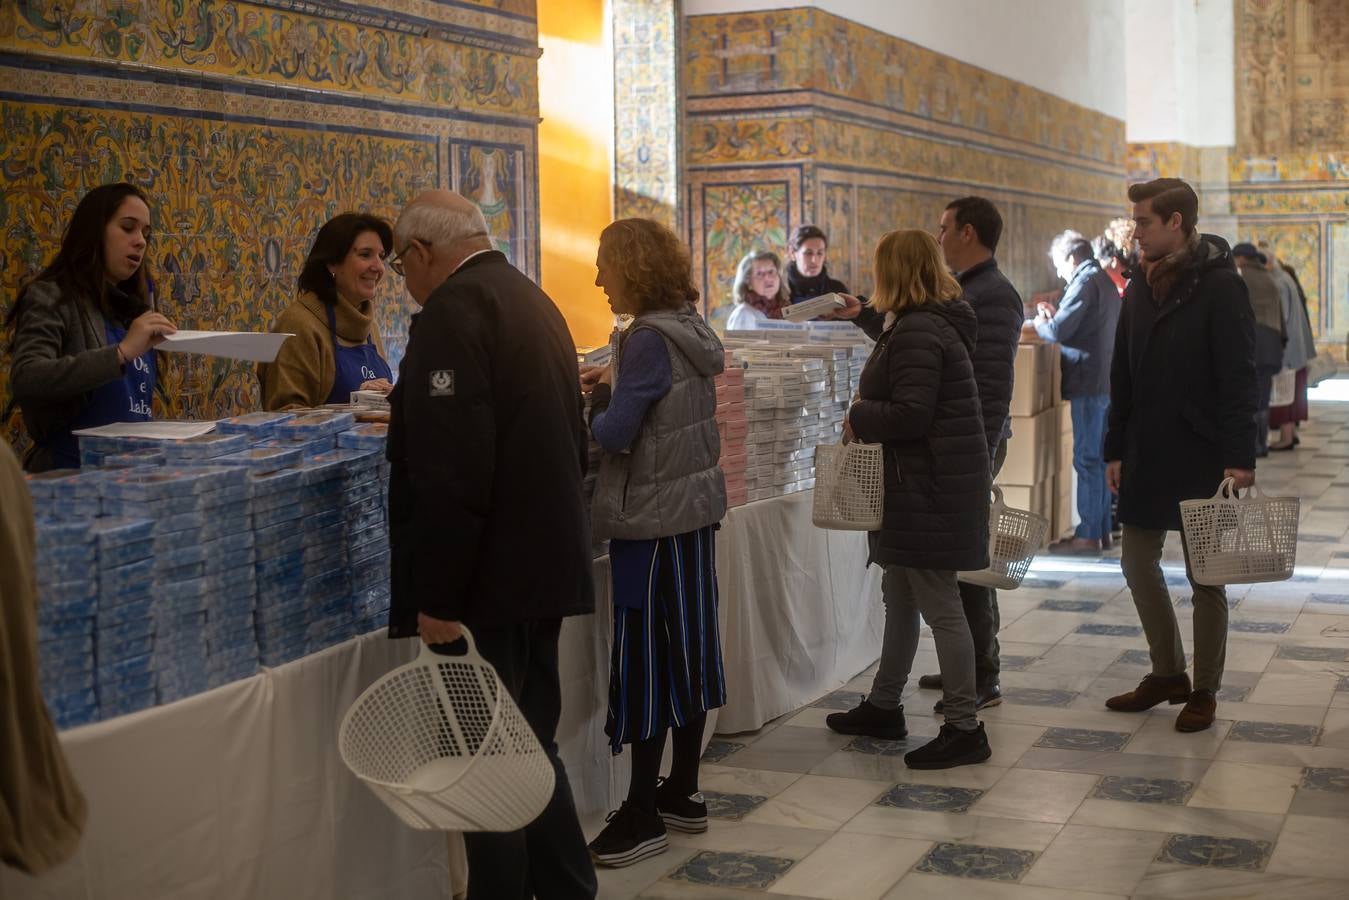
(872, 721)
(631, 836)
(681, 812)
(989, 696)
(950, 748)
(930, 682)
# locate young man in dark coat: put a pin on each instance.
(488, 525)
(1182, 406)
(968, 233)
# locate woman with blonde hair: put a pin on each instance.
(919, 399)
(760, 292)
(659, 498)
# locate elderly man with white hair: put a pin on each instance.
(488, 523)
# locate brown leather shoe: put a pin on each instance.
(1198, 712)
(1075, 547)
(1152, 690)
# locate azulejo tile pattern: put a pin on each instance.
(1233, 694)
(732, 870)
(1016, 663)
(1314, 654)
(1072, 605)
(1083, 739)
(1038, 696)
(1217, 852)
(1274, 733)
(1134, 789)
(1107, 630)
(1316, 778)
(1248, 627)
(878, 746)
(843, 700)
(930, 798)
(971, 861)
(717, 750)
(647, 110)
(1135, 658)
(731, 806)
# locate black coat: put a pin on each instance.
(1182, 389)
(487, 520)
(803, 288)
(919, 399)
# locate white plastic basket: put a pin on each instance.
(443, 745)
(1283, 388)
(849, 487)
(1014, 536)
(1233, 539)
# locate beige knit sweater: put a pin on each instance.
(303, 373)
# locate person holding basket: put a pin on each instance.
(918, 398)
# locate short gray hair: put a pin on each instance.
(439, 225)
(1070, 245)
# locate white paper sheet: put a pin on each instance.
(256, 347)
(167, 431)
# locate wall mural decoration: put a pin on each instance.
(648, 109)
(240, 179)
(737, 219)
(880, 134)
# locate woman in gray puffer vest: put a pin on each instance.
(659, 499)
(919, 399)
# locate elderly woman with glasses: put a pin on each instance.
(336, 348)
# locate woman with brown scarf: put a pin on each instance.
(760, 291)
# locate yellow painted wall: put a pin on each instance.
(575, 159)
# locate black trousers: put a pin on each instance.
(547, 858)
(981, 611)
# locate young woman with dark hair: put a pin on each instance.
(336, 348)
(84, 329)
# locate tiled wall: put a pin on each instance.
(249, 125)
(647, 110)
(797, 115)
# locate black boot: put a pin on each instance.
(951, 747)
(872, 721)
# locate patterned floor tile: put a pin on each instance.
(1315, 778)
(1274, 733)
(1343, 683)
(1219, 852)
(1016, 663)
(1130, 789)
(843, 700)
(1187, 602)
(1110, 630)
(1135, 658)
(732, 870)
(731, 806)
(1083, 739)
(1078, 606)
(1313, 654)
(1233, 694)
(1044, 583)
(878, 746)
(1038, 696)
(1249, 627)
(970, 861)
(930, 798)
(718, 749)
(1337, 599)
(1318, 538)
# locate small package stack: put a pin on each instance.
(126, 622)
(131, 459)
(313, 432)
(277, 513)
(258, 426)
(67, 576)
(784, 398)
(95, 449)
(370, 605)
(199, 450)
(367, 545)
(838, 385)
(734, 427)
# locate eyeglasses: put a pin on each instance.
(396, 261)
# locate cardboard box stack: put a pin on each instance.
(733, 423)
(1029, 476)
(1065, 479)
(784, 398)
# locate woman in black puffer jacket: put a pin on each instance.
(918, 397)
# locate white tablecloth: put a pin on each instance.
(239, 792)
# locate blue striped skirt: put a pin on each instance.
(666, 662)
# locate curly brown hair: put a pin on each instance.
(654, 262)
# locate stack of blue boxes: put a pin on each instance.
(326, 583)
(277, 536)
(126, 626)
(368, 528)
(67, 566)
(313, 433)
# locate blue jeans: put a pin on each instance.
(1093, 497)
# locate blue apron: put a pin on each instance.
(125, 399)
(353, 365)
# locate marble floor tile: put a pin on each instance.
(1133, 789)
(728, 869)
(1264, 712)
(627, 882)
(921, 886)
(745, 781)
(1320, 804)
(722, 805)
(1311, 846)
(1035, 796)
(1283, 754)
(1083, 739)
(683, 890)
(1273, 733)
(852, 867)
(1247, 655)
(1158, 737)
(1087, 858)
(840, 700)
(1072, 716)
(1135, 765)
(810, 717)
(1009, 740)
(1210, 851)
(930, 798)
(1247, 786)
(788, 749)
(1036, 678)
(818, 802)
(719, 748)
(1166, 881)
(958, 828)
(1037, 696)
(1335, 729)
(1177, 819)
(748, 837)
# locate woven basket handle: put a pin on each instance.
(427, 655)
(998, 502)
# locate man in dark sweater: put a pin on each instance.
(488, 524)
(968, 232)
